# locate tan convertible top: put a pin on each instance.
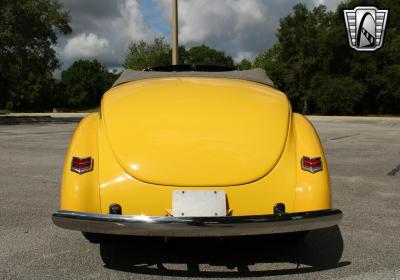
(255, 75)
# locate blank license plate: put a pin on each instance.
(198, 203)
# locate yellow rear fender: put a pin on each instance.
(80, 192)
(312, 189)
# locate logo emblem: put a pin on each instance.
(365, 27)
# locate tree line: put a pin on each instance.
(311, 62)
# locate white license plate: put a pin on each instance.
(198, 203)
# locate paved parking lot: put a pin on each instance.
(361, 153)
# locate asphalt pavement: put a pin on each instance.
(364, 161)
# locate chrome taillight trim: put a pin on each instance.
(82, 170)
(314, 164)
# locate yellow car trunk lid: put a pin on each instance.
(196, 131)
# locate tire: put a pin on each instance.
(95, 237)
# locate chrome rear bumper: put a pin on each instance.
(196, 226)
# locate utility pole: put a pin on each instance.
(175, 58)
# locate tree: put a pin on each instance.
(83, 84)
(28, 30)
(159, 52)
(376, 71)
(182, 54)
(206, 55)
(313, 63)
(273, 64)
(298, 36)
(245, 64)
(142, 55)
(335, 95)
(293, 60)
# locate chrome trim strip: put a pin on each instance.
(196, 226)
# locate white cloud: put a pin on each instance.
(86, 46)
(221, 19)
(241, 55)
(131, 25)
(103, 36)
(103, 29)
(242, 28)
(331, 4)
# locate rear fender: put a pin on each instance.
(80, 192)
(312, 189)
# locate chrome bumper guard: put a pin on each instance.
(196, 226)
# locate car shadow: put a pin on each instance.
(317, 251)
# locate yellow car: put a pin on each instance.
(195, 151)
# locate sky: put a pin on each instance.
(103, 29)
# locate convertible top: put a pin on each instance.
(255, 75)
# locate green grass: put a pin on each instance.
(4, 112)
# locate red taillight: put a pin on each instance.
(81, 165)
(312, 165)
